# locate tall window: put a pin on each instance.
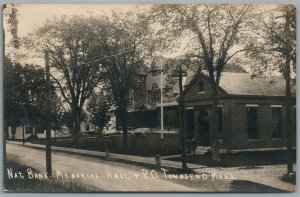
(276, 122)
(154, 94)
(201, 85)
(252, 122)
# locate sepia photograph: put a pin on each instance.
(197, 98)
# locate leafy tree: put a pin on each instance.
(127, 40)
(276, 52)
(70, 42)
(25, 95)
(10, 12)
(13, 111)
(58, 110)
(98, 106)
(67, 120)
(267, 54)
(213, 34)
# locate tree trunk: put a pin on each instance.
(13, 131)
(288, 95)
(288, 126)
(6, 133)
(76, 114)
(124, 125)
(48, 130)
(215, 132)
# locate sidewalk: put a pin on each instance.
(149, 162)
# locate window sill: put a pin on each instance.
(201, 92)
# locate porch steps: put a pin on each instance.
(201, 150)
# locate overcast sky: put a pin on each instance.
(32, 15)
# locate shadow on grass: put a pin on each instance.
(249, 186)
(37, 185)
(148, 145)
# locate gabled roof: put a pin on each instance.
(246, 84)
(188, 80)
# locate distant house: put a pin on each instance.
(251, 111)
(144, 108)
(28, 131)
(86, 126)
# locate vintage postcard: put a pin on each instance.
(149, 97)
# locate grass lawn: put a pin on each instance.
(241, 159)
(37, 185)
(148, 145)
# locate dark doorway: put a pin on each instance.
(203, 128)
(190, 123)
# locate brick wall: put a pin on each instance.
(235, 134)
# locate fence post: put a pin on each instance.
(107, 153)
(157, 162)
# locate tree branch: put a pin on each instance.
(61, 90)
(239, 51)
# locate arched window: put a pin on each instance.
(201, 85)
(155, 86)
(154, 94)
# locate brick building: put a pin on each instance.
(251, 110)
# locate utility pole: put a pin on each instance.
(23, 132)
(161, 101)
(48, 130)
(162, 140)
(288, 91)
(181, 120)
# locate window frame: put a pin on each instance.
(249, 125)
(154, 94)
(280, 136)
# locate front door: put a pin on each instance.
(203, 129)
(190, 123)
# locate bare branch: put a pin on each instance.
(61, 90)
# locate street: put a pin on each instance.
(66, 164)
(103, 175)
